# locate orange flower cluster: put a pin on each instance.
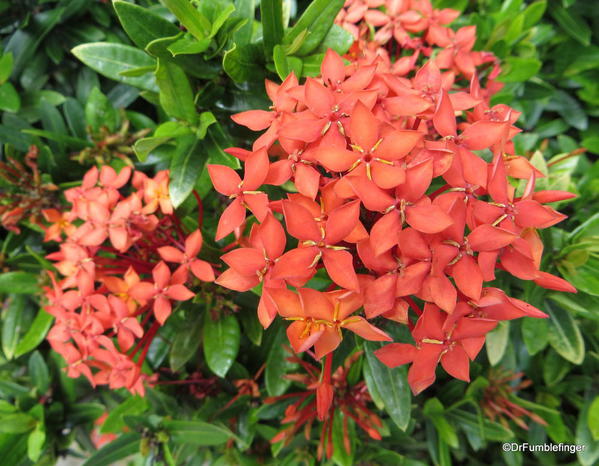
(116, 284)
(404, 185)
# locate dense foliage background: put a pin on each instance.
(77, 82)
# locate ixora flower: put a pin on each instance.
(410, 205)
(115, 290)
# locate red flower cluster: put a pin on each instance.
(116, 283)
(406, 187)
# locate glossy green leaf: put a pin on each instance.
(337, 39)
(564, 334)
(12, 323)
(176, 95)
(271, 14)
(277, 366)
(111, 59)
(190, 17)
(187, 341)
(35, 443)
(317, 19)
(244, 9)
(243, 63)
(392, 386)
(185, 168)
(143, 147)
(39, 373)
(9, 99)
(114, 423)
(197, 433)
(99, 111)
(221, 342)
(142, 25)
(186, 46)
(533, 13)
(125, 445)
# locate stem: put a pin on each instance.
(200, 208)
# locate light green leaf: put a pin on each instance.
(17, 423)
(6, 65)
(9, 98)
(114, 423)
(144, 146)
(496, 342)
(190, 17)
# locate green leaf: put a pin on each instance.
(11, 325)
(187, 341)
(114, 423)
(185, 168)
(190, 17)
(186, 46)
(143, 147)
(569, 109)
(35, 442)
(491, 430)
(338, 39)
(535, 333)
(99, 112)
(593, 418)
(573, 24)
(587, 432)
(564, 334)
(9, 99)
(17, 423)
(111, 59)
(35, 333)
(496, 342)
(518, 69)
(176, 95)
(555, 368)
(84, 413)
(194, 65)
(18, 283)
(142, 25)
(38, 371)
(6, 65)
(252, 328)
(392, 386)
(220, 19)
(277, 366)
(197, 433)
(317, 20)
(533, 13)
(243, 63)
(125, 445)
(244, 9)
(434, 410)
(221, 342)
(271, 14)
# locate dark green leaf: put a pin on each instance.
(197, 433)
(535, 333)
(110, 60)
(243, 63)
(187, 340)
(317, 20)
(84, 413)
(391, 385)
(244, 9)
(99, 111)
(125, 445)
(185, 168)
(573, 24)
(38, 371)
(221, 342)
(142, 25)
